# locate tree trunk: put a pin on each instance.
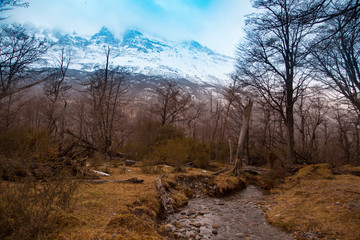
(289, 124)
(231, 152)
(242, 138)
(290, 144)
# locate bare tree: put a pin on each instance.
(322, 11)
(55, 89)
(106, 92)
(344, 133)
(271, 60)
(310, 111)
(336, 55)
(18, 53)
(195, 112)
(171, 102)
(6, 5)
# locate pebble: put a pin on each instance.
(190, 235)
(191, 212)
(215, 226)
(237, 215)
(169, 227)
(177, 235)
(196, 224)
(241, 235)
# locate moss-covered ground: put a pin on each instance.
(314, 202)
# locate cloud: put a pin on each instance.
(216, 23)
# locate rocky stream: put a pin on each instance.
(238, 216)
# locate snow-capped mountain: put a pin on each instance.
(145, 54)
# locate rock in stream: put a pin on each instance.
(234, 217)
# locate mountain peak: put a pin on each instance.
(132, 33)
(135, 39)
(104, 31)
(105, 36)
(196, 46)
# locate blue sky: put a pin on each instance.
(215, 23)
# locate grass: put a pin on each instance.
(116, 210)
(125, 210)
(316, 201)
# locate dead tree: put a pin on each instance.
(242, 137)
(55, 89)
(106, 92)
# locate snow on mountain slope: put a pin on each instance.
(145, 54)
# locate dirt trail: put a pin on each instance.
(235, 217)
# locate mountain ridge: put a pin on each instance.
(145, 54)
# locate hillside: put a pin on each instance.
(142, 53)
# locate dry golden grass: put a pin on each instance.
(126, 210)
(351, 168)
(316, 201)
(225, 183)
(116, 210)
(113, 210)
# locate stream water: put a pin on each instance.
(234, 217)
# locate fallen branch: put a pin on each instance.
(221, 171)
(129, 162)
(101, 173)
(349, 191)
(255, 170)
(131, 180)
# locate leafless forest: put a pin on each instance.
(293, 99)
(300, 71)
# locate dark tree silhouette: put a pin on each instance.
(18, 53)
(6, 5)
(336, 55)
(271, 59)
(171, 102)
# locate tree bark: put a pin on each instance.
(242, 138)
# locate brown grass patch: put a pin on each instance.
(109, 210)
(225, 184)
(311, 202)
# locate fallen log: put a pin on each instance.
(221, 171)
(255, 170)
(164, 196)
(131, 180)
(129, 162)
(101, 173)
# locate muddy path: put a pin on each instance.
(234, 217)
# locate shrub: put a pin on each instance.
(199, 153)
(148, 168)
(219, 151)
(27, 205)
(27, 143)
(147, 136)
(175, 152)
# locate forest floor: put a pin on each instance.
(313, 204)
(120, 210)
(316, 204)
